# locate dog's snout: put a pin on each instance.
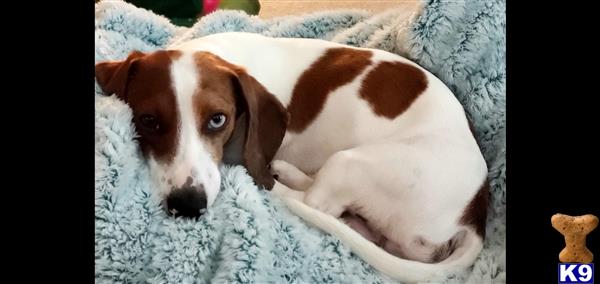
(187, 202)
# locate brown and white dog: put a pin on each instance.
(356, 134)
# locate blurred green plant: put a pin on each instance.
(187, 12)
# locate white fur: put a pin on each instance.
(191, 158)
(413, 176)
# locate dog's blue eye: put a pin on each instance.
(217, 121)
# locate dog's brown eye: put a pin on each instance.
(149, 121)
(216, 121)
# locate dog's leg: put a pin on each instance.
(337, 182)
(370, 180)
(409, 194)
(289, 175)
(330, 192)
(282, 191)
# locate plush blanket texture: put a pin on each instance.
(249, 236)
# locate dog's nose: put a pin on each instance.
(187, 202)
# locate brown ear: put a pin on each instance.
(263, 122)
(112, 76)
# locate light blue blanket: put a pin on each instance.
(247, 236)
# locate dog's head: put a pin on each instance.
(193, 111)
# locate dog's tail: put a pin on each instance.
(400, 269)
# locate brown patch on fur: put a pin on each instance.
(391, 87)
(335, 68)
(143, 82)
(475, 213)
(113, 76)
(215, 95)
(265, 119)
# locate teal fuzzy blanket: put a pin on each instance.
(248, 236)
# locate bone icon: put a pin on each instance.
(575, 229)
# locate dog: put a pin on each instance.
(362, 143)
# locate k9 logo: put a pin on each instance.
(575, 273)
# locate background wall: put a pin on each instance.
(275, 8)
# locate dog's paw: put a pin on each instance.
(289, 175)
(277, 167)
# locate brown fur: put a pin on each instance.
(215, 95)
(143, 82)
(475, 213)
(266, 118)
(335, 68)
(391, 87)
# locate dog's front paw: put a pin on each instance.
(289, 175)
(277, 167)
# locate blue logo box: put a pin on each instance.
(575, 273)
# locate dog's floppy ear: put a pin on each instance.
(112, 76)
(260, 127)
